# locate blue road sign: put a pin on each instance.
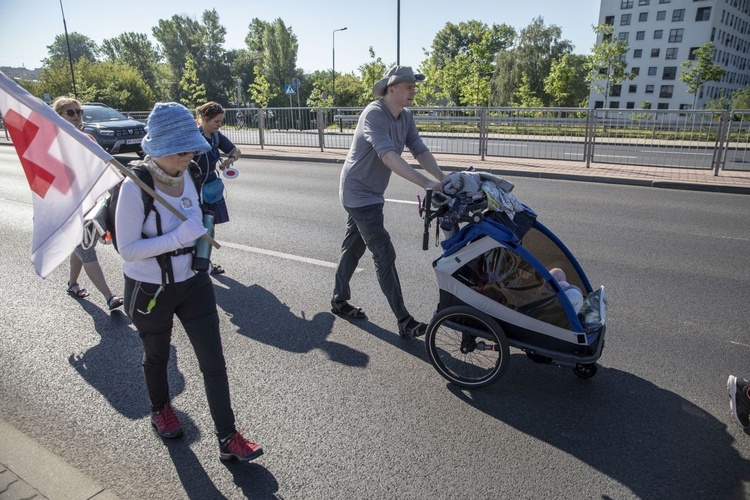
(289, 89)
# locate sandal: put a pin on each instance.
(216, 269)
(410, 327)
(347, 310)
(80, 293)
(113, 302)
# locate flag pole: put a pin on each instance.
(126, 172)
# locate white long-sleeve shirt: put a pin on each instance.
(137, 252)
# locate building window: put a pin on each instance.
(669, 73)
(615, 91)
(609, 20)
(661, 15)
(625, 20)
(678, 15)
(644, 2)
(652, 71)
(654, 52)
(635, 71)
(645, 105)
(637, 53)
(640, 35)
(614, 104)
(643, 17)
(703, 14)
(664, 1)
(649, 89)
(662, 105)
(624, 36)
(675, 35)
(632, 89)
(626, 4)
(691, 55)
(666, 91)
(598, 104)
(671, 53)
(630, 105)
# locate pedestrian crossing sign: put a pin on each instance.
(289, 89)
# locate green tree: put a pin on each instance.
(540, 46)
(179, 37)
(81, 46)
(461, 61)
(429, 93)
(214, 69)
(506, 78)
(137, 51)
(702, 70)
(741, 98)
(525, 96)
(241, 65)
(274, 48)
(455, 39)
(372, 72)
(566, 83)
(193, 90)
(606, 65)
(260, 90)
(116, 84)
(315, 99)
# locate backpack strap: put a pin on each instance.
(165, 259)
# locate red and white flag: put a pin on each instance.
(66, 170)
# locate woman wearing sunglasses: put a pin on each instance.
(85, 258)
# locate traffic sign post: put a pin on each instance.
(289, 90)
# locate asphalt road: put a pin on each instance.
(351, 410)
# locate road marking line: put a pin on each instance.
(298, 258)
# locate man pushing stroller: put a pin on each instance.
(383, 129)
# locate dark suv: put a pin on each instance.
(113, 131)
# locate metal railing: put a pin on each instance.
(698, 139)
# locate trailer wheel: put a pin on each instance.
(585, 370)
(467, 347)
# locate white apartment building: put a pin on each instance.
(661, 34)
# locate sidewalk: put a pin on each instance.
(661, 177)
(28, 470)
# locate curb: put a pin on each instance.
(28, 470)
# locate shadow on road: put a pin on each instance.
(261, 316)
(113, 366)
(254, 480)
(651, 440)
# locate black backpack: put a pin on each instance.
(143, 174)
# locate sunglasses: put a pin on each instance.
(191, 153)
(72, 112)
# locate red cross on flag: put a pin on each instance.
(66, 170)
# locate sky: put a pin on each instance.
(29, 26)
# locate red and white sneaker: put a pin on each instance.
(166, 422)
(236, 446)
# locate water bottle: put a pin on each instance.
(202, 258)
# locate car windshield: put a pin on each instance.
(101, 115)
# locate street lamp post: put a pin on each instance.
(333, 69)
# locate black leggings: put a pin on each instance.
(194, 303)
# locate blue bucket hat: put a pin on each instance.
(171, 129)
